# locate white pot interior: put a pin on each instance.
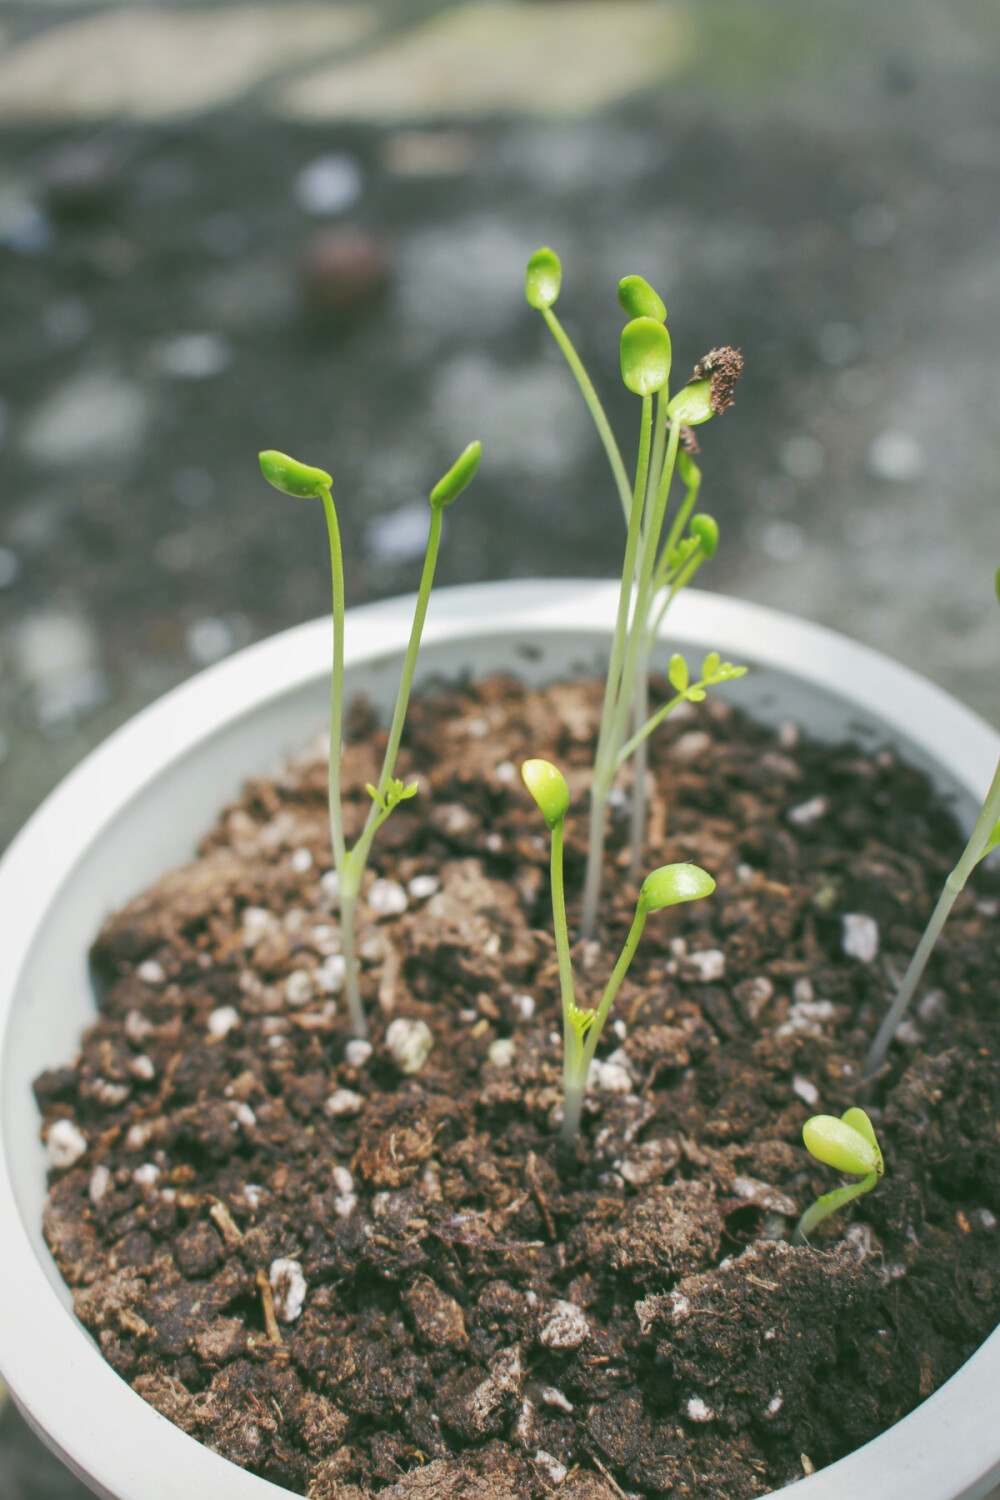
(138, 807)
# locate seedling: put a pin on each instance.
(985, 837)
(655, 568)
(294, 478)
(849, 1145)
(667, 886)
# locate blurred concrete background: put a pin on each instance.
(304, 224)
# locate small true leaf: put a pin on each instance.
(677, 672)
(645, 356)
(692, 405)
(375, 795)
(543, 278)
(706, 529)
(696, 695)
(547, 785)
(461, 473)
(291, 477)
(639, 299)
(841, 1145)
(710, 665)
(581, 1020)
(672, 884)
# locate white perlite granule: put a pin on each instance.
(609, 1078)
(387, 898)
(343, 1104)
(809, 812)
(101, 1183)
(805, 1090)
(222, 1020)
(357, 1052)
(299, 987)
(423, 886)
(697, 1410)
(860, 939)
(65, 1144)
(709, 964)
(256, 921)
(554, 1469)
(409, 1044)
(330, 974)
(289, 1287)
(345, 1202)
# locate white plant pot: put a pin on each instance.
(136, 807)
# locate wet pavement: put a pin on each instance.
(304, 226)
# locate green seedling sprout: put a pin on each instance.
(985, 837)
(654, 569)
(639, 299)
(849, 1145)
(667, 886)
(294, 478)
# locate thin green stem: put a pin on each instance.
(604, 759)
(360, 852)
(637, 831)
(595, 408)
(595, 858)
(828, 1204)
(336, 683)
(653, 722)
(561, 928)
(659, 440)
(642, 603)
(681, 581)
(352, 979)
(614, 984)
(413, 647)
(680, 521)
(973, 852)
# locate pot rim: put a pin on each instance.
(949, 1447)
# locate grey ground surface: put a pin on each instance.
(815, 183)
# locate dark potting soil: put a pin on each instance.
(356, 1280)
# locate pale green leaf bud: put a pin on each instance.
(543, 279)
(547, 785)
(841, 1145)
(291, 477)
(639, 299)
(692, 405)
(645, 356)
(677, 672)
(461, 473)
(672, 884)
(707, 532)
